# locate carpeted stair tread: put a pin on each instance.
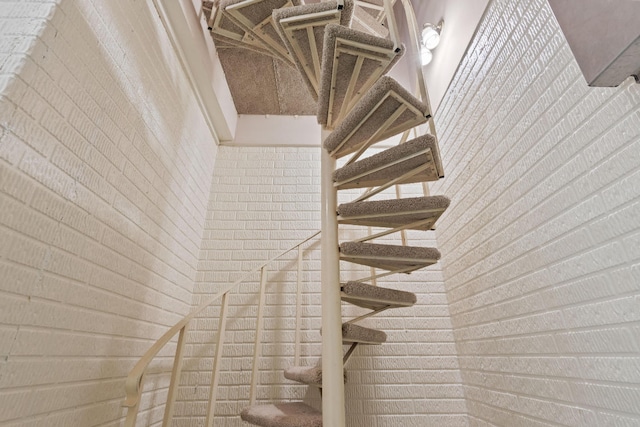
(352, 61)
(392, 164)
(310, 375)
(255, 17)
(355, 333)
(375, 297)
(395, 212)
(292, 414)
(386, 110)
(301, 28)
(388, 257)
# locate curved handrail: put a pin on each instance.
(134, 379)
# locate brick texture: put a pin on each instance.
(263, 201)
(109, 214)
(105, 173)
(540, 244)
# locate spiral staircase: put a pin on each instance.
(342, 50)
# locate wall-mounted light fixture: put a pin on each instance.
(430, 40)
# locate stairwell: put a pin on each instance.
(343, 67)
(107, 162)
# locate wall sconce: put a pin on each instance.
(430, 40)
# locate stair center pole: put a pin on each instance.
(333, 407)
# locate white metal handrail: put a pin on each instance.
(134, 381)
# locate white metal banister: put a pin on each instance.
(213, 393)
(134, 381)
(296, 356)
(392, 24)
(256, 345)
(175, 377)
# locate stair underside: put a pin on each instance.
(389, 257)
(416, 213)
(364, 20)
(255, 18)
(293, 414)
(375, 8)
(227, 34)
(386, 110)
(407, 163)
(375, 297)
(302, 31)
(269, 86)
(310, 375)
(352, 62)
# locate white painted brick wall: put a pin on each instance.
(105, 172)
(105, 168)
(540, 245)
(263, 201)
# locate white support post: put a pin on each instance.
(392, 23)
(257, 349)
(414, 35)
(416, 42)
(333, 408)
(296, 357)
(403, 233)
(374, 281)
(175, 377)
(222, 326)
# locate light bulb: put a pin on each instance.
(430, 36)
(425, 56)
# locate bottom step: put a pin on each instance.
(294, 414)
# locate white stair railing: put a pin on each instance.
(134, 381)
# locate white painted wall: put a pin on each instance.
(277, 131)
(461, 20)
(105, 171)
(263, 201)
(541, 243)
(105, 166)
